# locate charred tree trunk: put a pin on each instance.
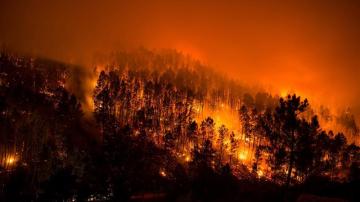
(291, 161)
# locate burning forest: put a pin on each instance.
(179, 100)
(163, 124)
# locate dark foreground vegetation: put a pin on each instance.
(145, 141)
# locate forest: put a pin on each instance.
(165, 127)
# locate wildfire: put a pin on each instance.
(89, 100)
(242, 155)
(196, 106)
(91, 82)
(284, 92)
(162, 173)
(223, 115)
(10, 160)
(187, 158)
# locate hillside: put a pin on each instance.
(166, 128)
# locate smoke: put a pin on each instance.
(82, 82)
(310, 47)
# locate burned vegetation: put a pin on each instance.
(164, 127)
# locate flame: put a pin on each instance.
(284, 92)
(243, 155)
(187, 158)
(162, 173)
(222, 115)
(90, 86)
(11, 160)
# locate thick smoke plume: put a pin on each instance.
(308, 47)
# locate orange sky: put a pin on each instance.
(309, 46)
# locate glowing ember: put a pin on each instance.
(11, 160)
(242, 155)
(187, 158)
(162, 173)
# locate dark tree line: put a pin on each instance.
(39, 124)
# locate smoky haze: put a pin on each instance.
(310, 47)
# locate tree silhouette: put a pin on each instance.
(223, 132)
